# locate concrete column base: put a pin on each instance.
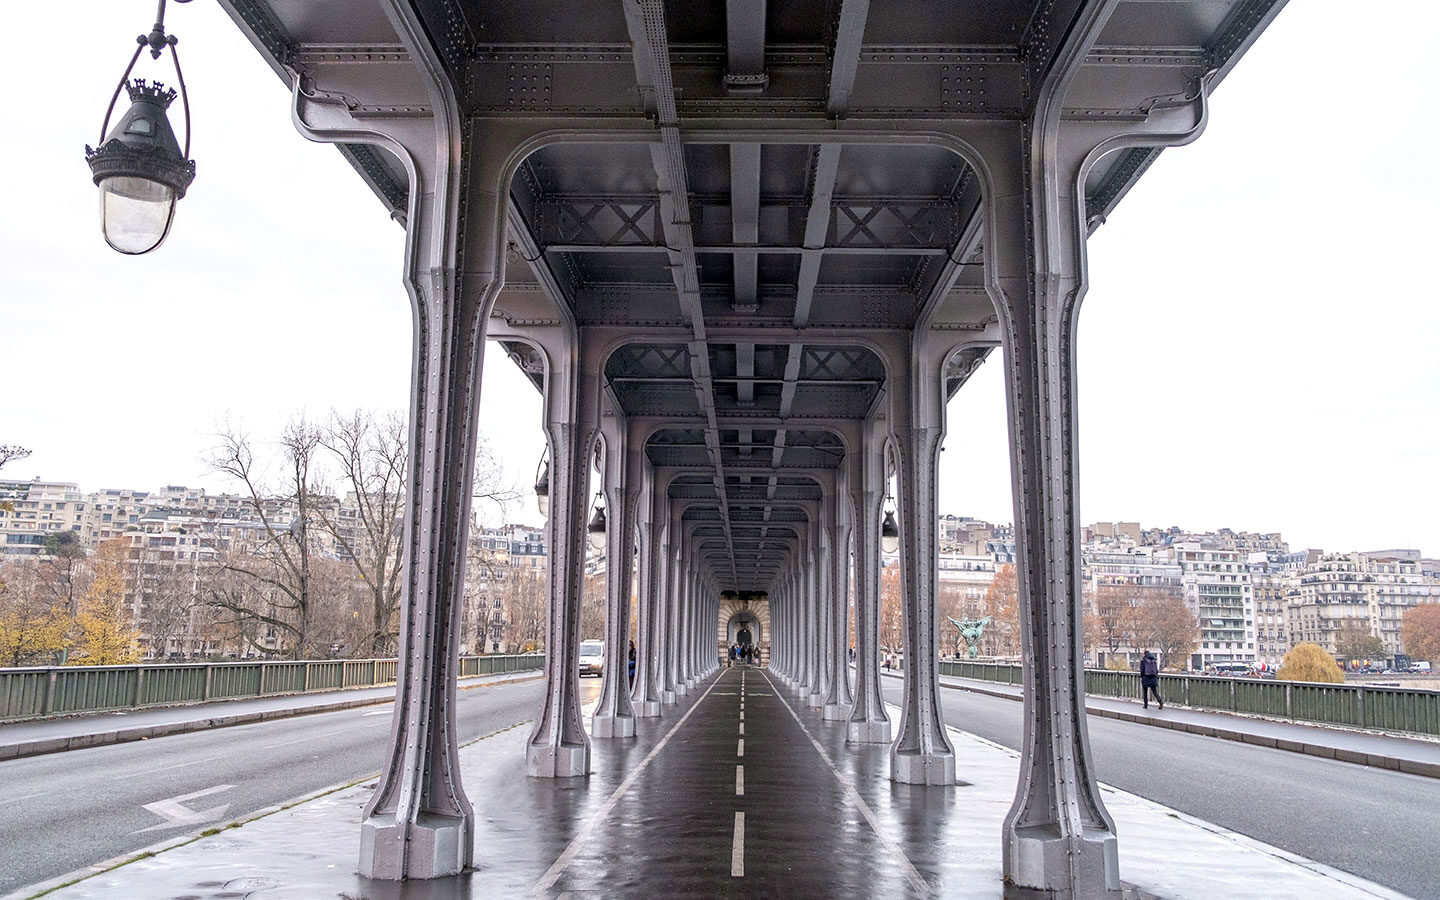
(835, 712)
(681, 689)
(567, 761)
(815, 700)
(612, 726)
(1039, 858)
(645, 709)
(433, 847)
(667, 698)
(919, 768)
(871, 732)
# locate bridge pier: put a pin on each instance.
(869, 723)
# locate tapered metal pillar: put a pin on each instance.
(558, 746)
(838, 697)
(921, 753)
(811, 576)
(419, 823)
(669, 610)
(614, 717)
(819, 564)
(675, 646)
(645, 692)
(869, 722)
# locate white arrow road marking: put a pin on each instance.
(174, 811)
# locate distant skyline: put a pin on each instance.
(1257, 346)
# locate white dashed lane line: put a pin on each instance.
(737, 848)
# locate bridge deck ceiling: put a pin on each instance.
(893, 215)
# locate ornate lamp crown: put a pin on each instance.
(154, 92)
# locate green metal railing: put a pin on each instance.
(61, 690)
(1354, 705)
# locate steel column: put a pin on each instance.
(869, 722)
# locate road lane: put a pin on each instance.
(1371, 822)
(64, 811)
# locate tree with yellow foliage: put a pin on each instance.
(1310, 662)
(1002, 604)
(33, 627)
(107, 636)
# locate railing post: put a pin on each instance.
(139, 686)
(49, 702)
(1289, 699)
(305, 680)
(209, 679)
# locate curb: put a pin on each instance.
(1408, 766)
(145, 732)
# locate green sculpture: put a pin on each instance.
(970, 630)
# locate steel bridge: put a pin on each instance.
(746, 252)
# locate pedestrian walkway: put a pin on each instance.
(39, 736)
(1415, 756)
(739, 790)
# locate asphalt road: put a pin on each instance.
(65, 811)
(1378, 824)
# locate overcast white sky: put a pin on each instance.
(1258, 348)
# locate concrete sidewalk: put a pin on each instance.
(38, 736)
(1415, 756)
(655, 818)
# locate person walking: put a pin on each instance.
(1150, 679)
(731, 661)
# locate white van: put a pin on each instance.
(1420, 667)
(592, 658)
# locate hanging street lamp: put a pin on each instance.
(596, 527)
(139, 166)
(889, 533)
(542, 486)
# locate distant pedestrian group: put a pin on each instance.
(748, 654)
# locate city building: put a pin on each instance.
(1342, 590)
(32, 510)
(1218, 589)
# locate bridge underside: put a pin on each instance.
(747, 252)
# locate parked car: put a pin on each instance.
(1420, 667)
(592, 658)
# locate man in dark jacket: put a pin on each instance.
(1150, 680)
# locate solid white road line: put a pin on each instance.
(553, 873)
(737, 848)
(911, 873)
(739, 781)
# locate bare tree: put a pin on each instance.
(371, 453)
(525, 610)
(1164, 622)
(11, 452)
(65, 569)
(276, 586)
(169, 592)
(1117, 616)
(892, 610)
